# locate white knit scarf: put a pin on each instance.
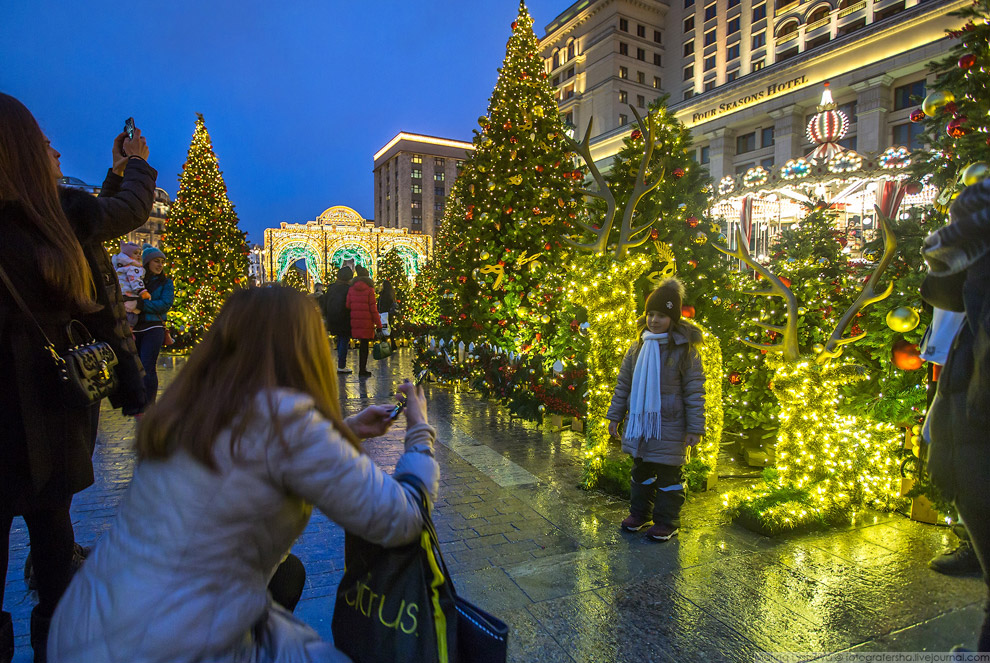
(644, 396)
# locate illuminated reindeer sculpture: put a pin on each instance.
(827, 463)
(602, 278)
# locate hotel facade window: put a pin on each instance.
(689, 72)
(711, 11)
(711, 36)
(623, 72)
(759, 40)
(689, 48)
(732, 52)
(746, 143)
(759, 12)
(903, 94)
(656, 60)
(641, 31)
(689, 24)
(624, 24)
(657, 83)
(623, 48)
(732, 27)
(623, 97)
(657, 37)
(416, 174)
(641, 54)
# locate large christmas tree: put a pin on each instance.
(207, 252)
(499, 247)
(392, 269)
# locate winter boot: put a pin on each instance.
(641, 496)
(959, 562)
(6, 638)
(39, 635)
(634, 523)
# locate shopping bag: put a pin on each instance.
(381, 350)
(399, 604)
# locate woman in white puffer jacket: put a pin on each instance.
(231, 460)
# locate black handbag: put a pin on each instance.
(399, 604)
(86, 370)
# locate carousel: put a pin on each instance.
(763, 202)
(339, 236)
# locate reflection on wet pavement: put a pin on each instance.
(526, 544)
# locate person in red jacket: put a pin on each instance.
(365, 321)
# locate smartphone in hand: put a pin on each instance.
(399, 407)
(129, 130)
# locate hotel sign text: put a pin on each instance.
(772, 90)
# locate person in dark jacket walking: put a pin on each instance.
(45, 445)
(958, 258)
(337, 317)
(660, 392)
(365, 321)
(150, 329)
(386, 310)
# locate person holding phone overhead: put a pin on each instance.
(52, 252)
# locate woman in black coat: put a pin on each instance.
(958, 258)
(45, 446)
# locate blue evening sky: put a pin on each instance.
(298, 95)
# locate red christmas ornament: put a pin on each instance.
(678, 172)
(513, 140)
(575, 325)
(786, 281)
(906, 356)
(539, 169)
(508, 210)
(507, 125)
(515, 24)
(950, 108)
(734, 377)
(692, 221)
(654, 233)
(967, 61)
(546, 247)
(693, 263)
(637, 134)
(913, 188)
(956, 128)
(687, 311)
(917, 115)
(463, 316)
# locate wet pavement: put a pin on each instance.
(526, 544)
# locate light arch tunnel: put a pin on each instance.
(351, 254)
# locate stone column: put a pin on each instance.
(788, 134)
(721, 150)
(872, 101)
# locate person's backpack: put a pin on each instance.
(335, 305)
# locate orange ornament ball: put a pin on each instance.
(687, 311)
(906, 356)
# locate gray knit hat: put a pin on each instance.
(150, 253)
(667, 299)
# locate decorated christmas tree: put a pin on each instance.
(499, 246)
(392, 269)
(955, 111)
(207, 253)
(423, 310)
(680, 239)
(296, 278)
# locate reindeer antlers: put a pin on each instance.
(789, 345)
(604, 193)
(629, 236)
(869, 295)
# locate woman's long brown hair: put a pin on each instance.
(26, 177)
(263, 339)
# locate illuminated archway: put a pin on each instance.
(353, 253)
(290, 253)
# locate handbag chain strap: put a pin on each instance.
(59, 362)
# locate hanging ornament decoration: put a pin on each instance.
(956, 128)
(692, 221)
(935, 101)
(918, 115)
(903, 319)
(516, 180)
(735, 378)
(967, 61)
(636, 134)
(827, 127)
(700, 238)
(906, 356)
(687, 311)
(485, 255)
(678, 173)
(974, 173)
(499, 270)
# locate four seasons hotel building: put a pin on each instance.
(746, 75)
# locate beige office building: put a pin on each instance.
(746, 75)
(413, 177)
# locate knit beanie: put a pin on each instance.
(129, 248)
(362, 271)
(667, 299)
(150, 253)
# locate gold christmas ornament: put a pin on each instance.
(903, 319)
(516, 180)
(935, 101)
(485, 255)
(975, 172)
